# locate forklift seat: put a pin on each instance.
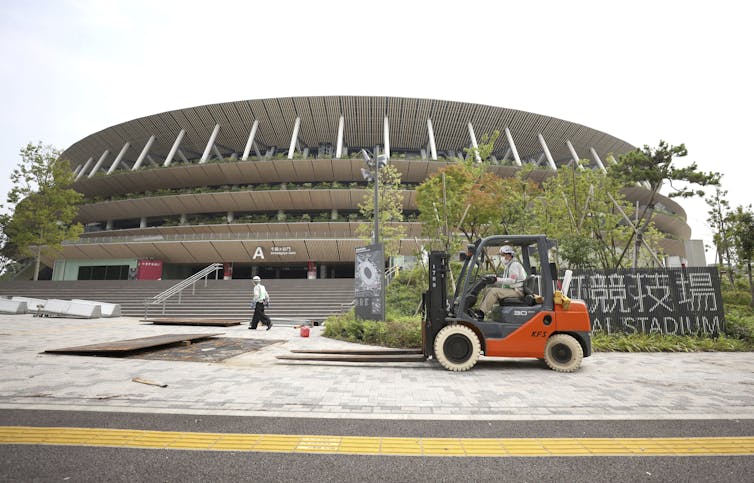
(531, 288)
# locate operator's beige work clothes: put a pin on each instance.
(512, 283)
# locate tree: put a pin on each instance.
(44, 204)
(581, 208)
(463, 197)
(719, 214)
(9, 255)
(390, 210)
(518, 194)
(654, 167)
(742, 229)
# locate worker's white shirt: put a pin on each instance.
(514, 275)
(260, 293)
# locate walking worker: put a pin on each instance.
(258, 303)
(509, 285)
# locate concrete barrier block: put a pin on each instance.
(67, 308)
(8, 306)
(108, 310)
(32, 304)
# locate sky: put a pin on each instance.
(642, 71)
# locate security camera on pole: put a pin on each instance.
(370, 261)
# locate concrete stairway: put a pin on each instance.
(220, 299)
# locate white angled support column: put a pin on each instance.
(217, 152)
(118, 158)
(573, 154)
(250, 141)
(386, 136)
(99, 163)
(474, 144)
(432, 145)
(77, 169)
(143, 154)
(339, 148)
(598, 160)
(211, 141)
(512, 145)
(173, 150)
(547, 152)
(507, 153)
(83, 170)
(292, 147)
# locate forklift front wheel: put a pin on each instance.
(457, 348)
(563, 353)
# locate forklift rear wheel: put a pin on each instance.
(457, 348)
(563, 353)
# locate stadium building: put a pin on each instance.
(272, 186)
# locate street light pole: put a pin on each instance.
(375, 164)
(377, 250)
(376, 236)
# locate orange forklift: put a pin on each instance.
(542, 324)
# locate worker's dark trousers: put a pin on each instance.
(259, 315)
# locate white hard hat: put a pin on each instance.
(507, 249)
(256, 278)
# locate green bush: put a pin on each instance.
(401, 332)
(404, 293)
(602, 342)
(739, 323)
(736, 297)
(402, 327)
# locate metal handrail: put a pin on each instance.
(391, 272)
(162, 297)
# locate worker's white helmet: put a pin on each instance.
(256, 278)
(507, 249)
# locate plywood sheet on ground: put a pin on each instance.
(128, 345)
(211, 350)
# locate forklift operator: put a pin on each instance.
(509, 285)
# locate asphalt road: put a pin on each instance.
(74, 463)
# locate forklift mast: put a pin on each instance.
(435, 300)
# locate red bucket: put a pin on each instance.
(304, 331)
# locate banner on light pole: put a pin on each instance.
(369, 285)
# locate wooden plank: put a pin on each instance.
(376, 352)
(355, 358)
(129, 345)
(196, 321)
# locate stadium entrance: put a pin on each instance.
(174, 271)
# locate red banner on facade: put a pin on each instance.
(149, 270)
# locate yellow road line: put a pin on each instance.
(365, 445)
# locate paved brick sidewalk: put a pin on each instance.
(609, 386)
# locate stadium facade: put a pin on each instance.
(272, 186)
